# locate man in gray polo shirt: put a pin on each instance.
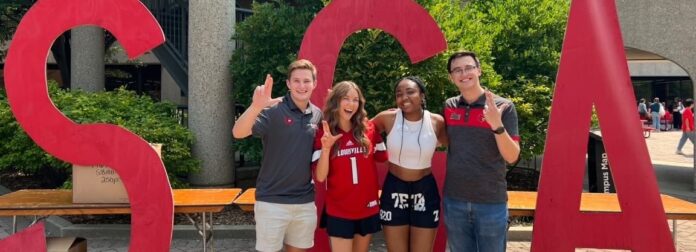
(483, 137)
(285, 213)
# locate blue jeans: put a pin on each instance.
(474, 226)
(656, 120)
(686, 135)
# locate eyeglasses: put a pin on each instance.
(466, 69)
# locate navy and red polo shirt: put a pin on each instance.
(475, 167)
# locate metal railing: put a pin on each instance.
(241, 14)
(182, 115)
(173, 16)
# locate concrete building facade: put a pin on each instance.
(662, 27)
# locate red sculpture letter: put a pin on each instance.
(407, 21)
(593, 70)
(137, 164)
(31, 239)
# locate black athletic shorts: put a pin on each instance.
(414, 203)
(345, 228)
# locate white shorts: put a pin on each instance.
(278, 224)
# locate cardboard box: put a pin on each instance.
(100, 184)
(66, 244)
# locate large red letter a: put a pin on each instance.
(594, 71)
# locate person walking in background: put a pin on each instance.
(655, 113)
(284, 212)
(410, 201)
(677, 108)
(687, 125)
(642, 109)
(345, 151)
(483, 139)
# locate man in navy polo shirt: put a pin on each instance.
(483, 137)
(655, 113)
(285, 213)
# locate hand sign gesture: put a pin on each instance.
(493, 114)
(328, 139)
(262, 95)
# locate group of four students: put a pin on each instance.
(341, 146)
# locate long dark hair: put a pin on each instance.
(358, 120)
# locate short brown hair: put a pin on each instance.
(302, 64)
(461, 55)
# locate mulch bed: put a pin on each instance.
(14, 181)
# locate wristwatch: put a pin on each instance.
(499, 130)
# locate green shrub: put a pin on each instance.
(155, 122)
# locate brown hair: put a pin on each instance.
(302, 64)
(461, 55)
(359, 119)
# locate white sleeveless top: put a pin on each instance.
(418, 146)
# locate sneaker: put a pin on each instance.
(679, 152)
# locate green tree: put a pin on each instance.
(525, 44)
(155, 122)
(11, 12)
(270, 40)
(518, 43)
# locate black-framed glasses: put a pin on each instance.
(466, 69)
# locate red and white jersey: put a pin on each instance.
(352, 184)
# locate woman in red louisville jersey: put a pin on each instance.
(346, 148)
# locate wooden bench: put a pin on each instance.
(246, 200)
(59, 202)
(524, 204)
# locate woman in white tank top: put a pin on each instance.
(410, 201)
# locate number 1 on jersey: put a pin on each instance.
(354, 169)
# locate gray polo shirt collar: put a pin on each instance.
(481, 101)
(291, 104)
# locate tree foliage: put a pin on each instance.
(155, 122)
(518, 43)
(11, 12)
(270, 40)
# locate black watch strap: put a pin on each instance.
(499, 130)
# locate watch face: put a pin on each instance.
(499, 130)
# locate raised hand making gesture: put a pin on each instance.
(260, 100)
(328, 139)
(262, 95)
(492, 113)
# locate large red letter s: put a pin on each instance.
(137, 164)
(593, 70)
